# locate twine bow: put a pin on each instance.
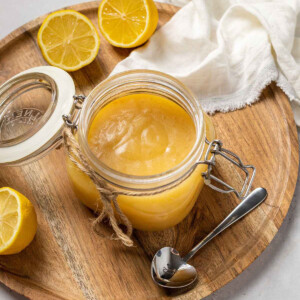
(108, 195)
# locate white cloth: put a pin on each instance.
(227, 51)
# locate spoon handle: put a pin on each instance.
(248, 204)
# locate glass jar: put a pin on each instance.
(170, 195)
(158, 211)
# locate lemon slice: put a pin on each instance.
(127, 23)
(68, 40)
(18, 221)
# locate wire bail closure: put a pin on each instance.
(70, 121)
(215, 148)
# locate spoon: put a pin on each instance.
(170, 270)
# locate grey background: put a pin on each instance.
(274, 275)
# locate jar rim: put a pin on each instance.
(138, 76)
(41, 137)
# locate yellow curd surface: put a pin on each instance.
(144, 134)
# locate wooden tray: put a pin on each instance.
(67, 260)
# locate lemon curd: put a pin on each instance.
(144, 134)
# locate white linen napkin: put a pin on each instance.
(227, 51)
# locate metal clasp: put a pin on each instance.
(215, 148)
(72, 121)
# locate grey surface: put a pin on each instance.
(274, 275)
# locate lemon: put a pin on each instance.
(127, 23)
(68, 40)
(18, 221)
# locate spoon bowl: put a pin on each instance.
(168, 269)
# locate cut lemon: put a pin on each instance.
(68, 40)
(127, 23)
(18, 221)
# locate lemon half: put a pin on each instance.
(68, 40)
(18, 222)
(127, 23)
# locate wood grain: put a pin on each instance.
(67, 260)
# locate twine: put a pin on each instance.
(108, 195)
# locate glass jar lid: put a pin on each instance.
(31, 107)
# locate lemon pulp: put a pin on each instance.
(127, 23)
(18, 222)
(68, 40)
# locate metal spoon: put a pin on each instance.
(170, 270)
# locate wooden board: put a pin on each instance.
(67, 260)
